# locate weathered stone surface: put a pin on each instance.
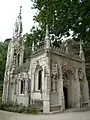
(51, 77)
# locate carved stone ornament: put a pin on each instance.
(66, 81)
(66, 68)
(11, 83)
(54, 68)
(74, 73)
(72, 70)
(18, 26)
(80, 73)
(54, 76)
(6, 82)
(38, 66)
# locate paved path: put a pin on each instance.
(61, 116)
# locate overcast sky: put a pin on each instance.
(9, 10)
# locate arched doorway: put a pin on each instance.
(65, 96)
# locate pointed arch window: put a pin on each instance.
(18, 59)
(15, 57)
(22, 87)
(39, 79)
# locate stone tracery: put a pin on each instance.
(68, 70)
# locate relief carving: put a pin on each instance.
(74, 73)
(54, 76)
(80, 73)
(66, 80)
(69, 74)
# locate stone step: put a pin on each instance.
(55, 108)
(77, 110)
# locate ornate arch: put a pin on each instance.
(54, 76)
(36, 72)
(68, 69)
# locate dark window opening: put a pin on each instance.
(23, 87)
(18, 59)
(39, 79)
(89, 90)
(65, 96)
(15, 58)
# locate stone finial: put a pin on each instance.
(81, 49)
(47, 39)
(33, 46)
(66, 45)
(47, 31)
(20, 17)
(81, 54)
(20, 10)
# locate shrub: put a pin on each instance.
(34, 110)
(19, 108)
(2, 106)
(26, 110)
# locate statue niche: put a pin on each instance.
(54, 77)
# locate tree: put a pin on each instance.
(3, 55)
(63, 16)
(36, 35)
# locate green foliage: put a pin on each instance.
(3, 54)
(36, 35)
(0, 96)
(64, 15)
(19, 108)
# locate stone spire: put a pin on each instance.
(81, 54)
(18, 25)
(47, 39)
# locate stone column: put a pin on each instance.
(86, 91)
(8, 85)
(4, 97)
(42, 89)
(60, 88)
(46, 99)
(86, 87)
(21, 54)
(78, 93)
(53, 85)
(6, 93)
(46, 92)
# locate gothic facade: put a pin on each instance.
(52, 78)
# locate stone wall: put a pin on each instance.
(37, 62)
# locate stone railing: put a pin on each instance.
(63, 51)
(38, 47)
(55, 108)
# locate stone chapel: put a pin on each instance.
(52, 78)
